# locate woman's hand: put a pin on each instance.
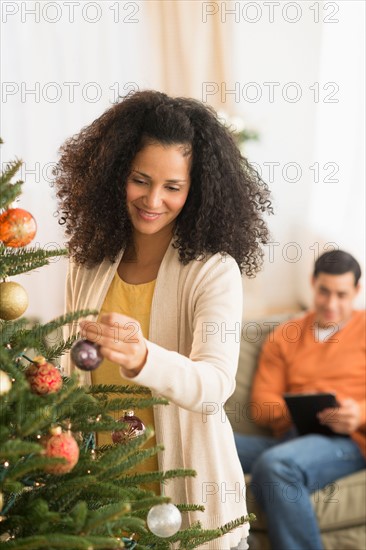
(120, 339)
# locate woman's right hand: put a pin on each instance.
(120, 339)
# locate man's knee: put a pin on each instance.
(268, 461)
(274, 478)
(274, 464)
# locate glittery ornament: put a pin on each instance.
(86, 355)
(61, 445)
(164, 520)
(17, 227)
(1, 501)
(5, 383)
(134, 428)
(13, 300)
(43, 377)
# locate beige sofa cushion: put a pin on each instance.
(253, 336)
(339, 505)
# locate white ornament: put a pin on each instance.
(5, 383)
(164, 520)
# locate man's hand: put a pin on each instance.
(344, 419)
(120, 339)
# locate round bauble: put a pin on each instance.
(17, 227)
(13, 300)
(134, 427)
(61, 445)
(164, 520)
(86, 355)
(1, 501)
(43, 377)
(5, 383)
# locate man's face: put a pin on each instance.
(333, 297)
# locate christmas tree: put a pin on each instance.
(58, 489)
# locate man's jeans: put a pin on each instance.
(285, 472)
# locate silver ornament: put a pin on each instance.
(164, 520)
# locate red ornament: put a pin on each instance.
(43, 377)
(134, 428)
(17, 227)
(61, 445)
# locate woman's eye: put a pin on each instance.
(173, 189)
(138, 181)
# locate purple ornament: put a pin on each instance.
(134, 428)
(86, 355)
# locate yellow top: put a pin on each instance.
(133, 301)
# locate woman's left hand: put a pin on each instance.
(120, 339)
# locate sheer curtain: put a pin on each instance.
(192, 50)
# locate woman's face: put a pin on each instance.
(157, 187)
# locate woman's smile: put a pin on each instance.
(149, 216)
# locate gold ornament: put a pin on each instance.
(5, 383)
(1, 501)
(13, 300)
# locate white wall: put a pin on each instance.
(322, 53)
(123, 49)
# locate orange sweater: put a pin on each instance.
(292, 360)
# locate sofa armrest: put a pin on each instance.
(253, 335)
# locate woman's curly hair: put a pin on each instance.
(226, 201)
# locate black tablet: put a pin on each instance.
(303, 408)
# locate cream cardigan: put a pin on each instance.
(193, 351)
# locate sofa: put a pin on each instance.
(340, 507)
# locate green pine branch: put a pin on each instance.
(30, 464)
(23, 260)
(113, 388)
(79, 513)
(10, 191)
(14, 448)
(193, 537)
(131, 462)
(116, 453)
(8, 365)
(196, 536)
(11, 168)
(125, 403)
(42, 412)
(137, 479)
(247, 135)
(33, 337)
(54, 541)
(91, 490)
(50, 353)
(105, 514)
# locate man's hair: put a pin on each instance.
(337, 262)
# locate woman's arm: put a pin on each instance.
(203, 381)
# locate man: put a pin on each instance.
(322, 351)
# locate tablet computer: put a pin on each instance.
(304, 407)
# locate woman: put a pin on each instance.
(163, 215)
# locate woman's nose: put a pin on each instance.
(153, 199)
